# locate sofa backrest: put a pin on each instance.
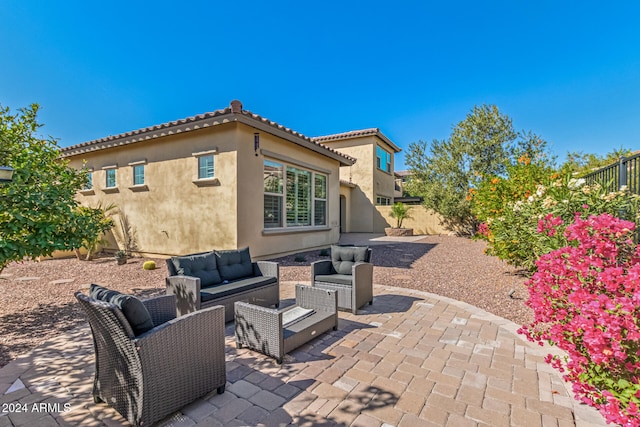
(213, 267)
(234, 264)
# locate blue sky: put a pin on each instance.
(567, 70)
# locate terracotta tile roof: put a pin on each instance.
(357, 134)
(230, 114)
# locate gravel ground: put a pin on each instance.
(36, 298)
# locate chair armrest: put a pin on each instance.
(162, 308)
(317, 299)
(259, 328)
(186, 349)
(187, 292)
(362, 289)
(266, 268)
(320, 267)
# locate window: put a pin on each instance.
(320, 200)
(138, 175)
(205, 167)
(383, 159)
(293, 197)
(88, 185)
(298, 197)
(383, 201)
(111, 178)
(272, 194)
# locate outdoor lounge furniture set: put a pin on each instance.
(155, 356)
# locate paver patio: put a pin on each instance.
(410, 359)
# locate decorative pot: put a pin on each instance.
(391, 231)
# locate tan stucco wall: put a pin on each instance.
(371, 182)
(423, 221)
(176, 216)
(251, 197)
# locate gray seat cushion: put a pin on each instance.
(343, 257)
(235, 287)
(341, 279)
(204, 266)
(234, 264)
(133, 309)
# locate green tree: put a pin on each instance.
(400, 212)
(481, 145)
(38, 211)
(580, 163)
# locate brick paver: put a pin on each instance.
(410, 359)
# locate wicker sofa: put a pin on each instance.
(146, 374)
(221, 278)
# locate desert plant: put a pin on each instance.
(400, 212)
(300, 258)
(325, 252)
(149, 265)
(120, 254)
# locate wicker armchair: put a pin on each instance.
(149, 376)
(349, 272)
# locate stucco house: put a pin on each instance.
(367, 183)
(231, 178)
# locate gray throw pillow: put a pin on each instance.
(132, 308)
(203, 266)
(344, 257)
(234, 264)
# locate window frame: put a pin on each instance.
(135, 168)
(380, 199)
(383, 155)
(285, 220)
(206, 167)
(108, 172)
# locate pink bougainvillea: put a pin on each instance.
(586, 300)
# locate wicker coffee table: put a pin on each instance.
(275, 332)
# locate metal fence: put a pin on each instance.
(626, 172)
(614, 177)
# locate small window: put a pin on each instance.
(383, 201)
(111, 178)
(383, 159)
(205, 167)
(88, 185)
(138, 175)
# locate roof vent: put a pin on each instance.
(236, 106)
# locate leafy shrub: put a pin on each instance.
(586, 300)
(513, 236)
(493, 193)
(149, 265)
(300, 258)
(325, 252)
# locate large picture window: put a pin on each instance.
(293, 197)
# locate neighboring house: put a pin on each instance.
(225, 180)
(402, 178)
(366, 184)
